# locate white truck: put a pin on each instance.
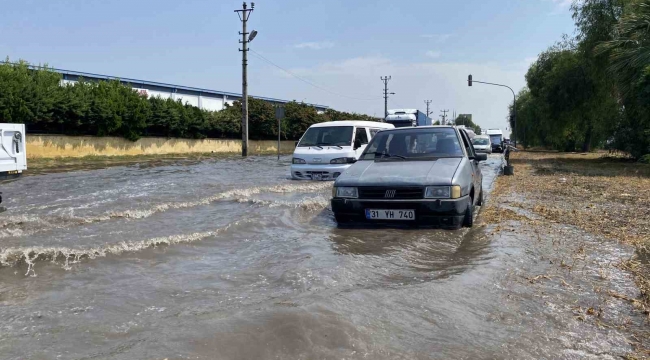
(13, 157)
(496, 138)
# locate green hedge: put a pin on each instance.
(35, 97)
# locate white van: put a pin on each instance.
(327, 149)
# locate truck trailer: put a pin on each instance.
(407, 117)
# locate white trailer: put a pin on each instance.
(13, 159)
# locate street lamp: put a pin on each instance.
(514, 103)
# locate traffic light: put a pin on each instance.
(469, 80)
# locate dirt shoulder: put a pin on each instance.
(580, 207)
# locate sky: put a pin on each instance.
(330, 52)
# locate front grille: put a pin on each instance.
(400, 192)
(308, 175)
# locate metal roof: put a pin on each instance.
(354, 123)
(171, 86)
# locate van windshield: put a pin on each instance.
(495, 139)
(327, 136)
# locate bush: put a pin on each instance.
(35, 97)
(645, 159)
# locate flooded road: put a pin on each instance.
(229, 259)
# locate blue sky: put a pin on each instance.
(428, 47)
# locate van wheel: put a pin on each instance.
(468, 221)
(480, 198)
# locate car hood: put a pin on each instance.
(318, 155)
(481, 146)
(398, 172)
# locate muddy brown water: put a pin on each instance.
(230, 259)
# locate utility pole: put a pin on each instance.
(427, 102)
(444, 116)
(244, 14)
(385, 79)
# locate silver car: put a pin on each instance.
(482, 143)
(420, 175)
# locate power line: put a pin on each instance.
(260, 56)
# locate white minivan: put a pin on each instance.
(327, 149)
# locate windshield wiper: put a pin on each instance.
(327, 144)
(387, 155)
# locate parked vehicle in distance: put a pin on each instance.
(327, 149)
(424, 175)
(407, 118)
(482, 143)
(13, 157)
(496, 138)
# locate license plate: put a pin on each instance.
(383, 214)
(316, 176)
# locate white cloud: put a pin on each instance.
(437, 37)
(563, 3)
(433, 54)
(560, 6)
(443, 82)
(315, 45)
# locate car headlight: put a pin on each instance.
(343, 160)
(299, 161)
(346, 192)
(442, 192)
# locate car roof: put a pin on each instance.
(375, 124)
(422, 127)
(483, 136)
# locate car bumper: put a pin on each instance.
(433, 212)
(327, 171)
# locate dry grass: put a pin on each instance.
(602, 195)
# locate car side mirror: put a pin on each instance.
(480, 157)
(357, 144)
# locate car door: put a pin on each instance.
(477, 176)
(360, 141)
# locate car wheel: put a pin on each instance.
(480, 198)
(468, 221)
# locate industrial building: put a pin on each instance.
(212, 100)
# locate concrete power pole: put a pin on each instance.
(244, 14)
(385, 79)
(444, 116)
(427, 102)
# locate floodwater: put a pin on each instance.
(230, 259)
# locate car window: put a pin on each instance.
(411, 144)
(362, 136)
(327, 135)
(468, 145)
(373, 132)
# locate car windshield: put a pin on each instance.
(412, 144)
(480, 141)
(327, 136)
(496, 139)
